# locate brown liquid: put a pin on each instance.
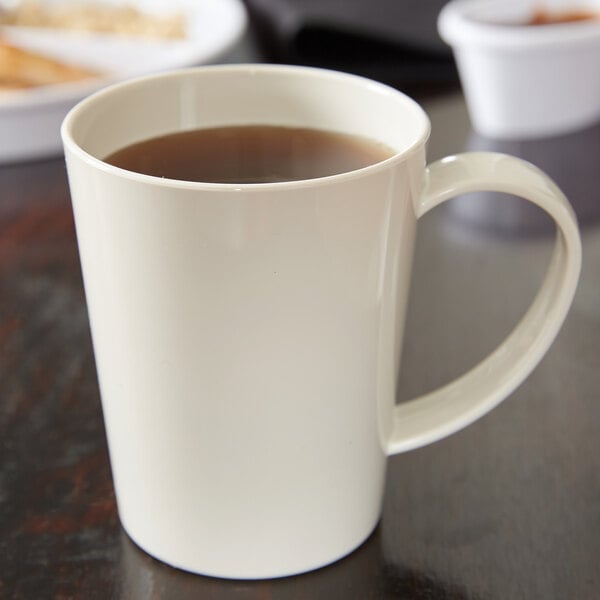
(542, 17)
(249, 154)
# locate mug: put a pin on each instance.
(247, 337)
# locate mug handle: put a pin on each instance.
(446, 410)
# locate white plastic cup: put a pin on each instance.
(525, 81)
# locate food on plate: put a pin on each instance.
(97, 17)
(21, 69)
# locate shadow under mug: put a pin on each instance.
(247, 337)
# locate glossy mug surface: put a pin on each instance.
(248, 336)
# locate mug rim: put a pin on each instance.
(70, 122)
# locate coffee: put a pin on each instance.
(249, 154)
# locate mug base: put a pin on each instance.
(240, 573)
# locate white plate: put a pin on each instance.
(30, 119)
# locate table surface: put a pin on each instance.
(507, 508)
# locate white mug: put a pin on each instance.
(247, 337)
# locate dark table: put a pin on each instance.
(507, 509)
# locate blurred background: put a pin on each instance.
(389, 40)
(507, 508)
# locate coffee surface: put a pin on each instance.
(249, 154)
